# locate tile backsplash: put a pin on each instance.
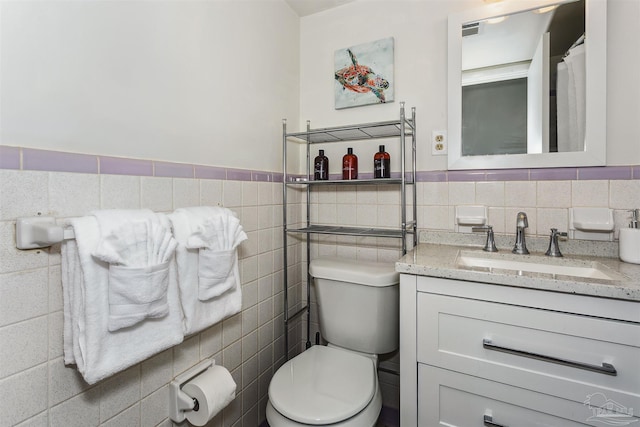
(36, 388)
(250, 344)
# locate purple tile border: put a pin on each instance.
(58, 161)
(118, 166)
(609, 172)
(173, 170)
(210, 172)
(238, 175)
(261, 176)
(431, 176)
(466, 176)
(553, 174)
(9, 157)
(508, 175)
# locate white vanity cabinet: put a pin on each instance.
(475, 354)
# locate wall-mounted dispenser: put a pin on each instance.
(200, 393)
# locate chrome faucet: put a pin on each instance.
(554, 249)
(521, 245)
(490, 245)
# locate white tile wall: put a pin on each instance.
(250, 344)
(546, 203)
(31, 364)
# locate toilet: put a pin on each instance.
(337, 384)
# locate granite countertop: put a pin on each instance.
(441, 260)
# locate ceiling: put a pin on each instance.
(309, 7)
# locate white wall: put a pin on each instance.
(420, 32)
(203, 82)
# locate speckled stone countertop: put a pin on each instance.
(443, 260)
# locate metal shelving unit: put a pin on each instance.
(403, 128)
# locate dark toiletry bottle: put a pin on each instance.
(350, 165)
(321, 167)
(382, 164)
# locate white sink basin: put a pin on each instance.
(536, 264)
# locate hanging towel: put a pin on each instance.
(97, 352)
(216, 238)
(207, 258)
(138, 249)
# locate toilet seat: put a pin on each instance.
(323, 385)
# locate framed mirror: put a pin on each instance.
(527, 85)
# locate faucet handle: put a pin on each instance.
(554, 248)
(490, 245)
(554, 231)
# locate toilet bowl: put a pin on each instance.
(337, 385)
(325, 386)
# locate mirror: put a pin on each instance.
(527, 85)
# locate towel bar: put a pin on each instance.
(40, 232)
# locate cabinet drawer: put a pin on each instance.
(452, 399)
(564, 355)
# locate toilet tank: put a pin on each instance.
(358, 303)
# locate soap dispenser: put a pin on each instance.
(630, 239)
(321, 167)
(381, 164)
(350, 165)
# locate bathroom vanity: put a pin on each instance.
(497, 339)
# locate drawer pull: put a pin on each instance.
(605, 368)
(488, 421)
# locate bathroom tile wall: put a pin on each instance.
(545, 198)
(545, 195)
(36, 388)
(546, 201)
(250, 344)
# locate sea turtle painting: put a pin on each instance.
(361, 79)
(357, 83)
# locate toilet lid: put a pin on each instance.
(323, 385)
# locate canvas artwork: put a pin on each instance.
(364, 74)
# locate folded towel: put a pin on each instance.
(207, 258)
(217, 237)
(215, 272)
(88, 343)
(138, 247)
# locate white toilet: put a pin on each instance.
(337, 385)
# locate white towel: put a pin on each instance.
(216, 237)
(207, 258)
(97, 352)
(138, 248)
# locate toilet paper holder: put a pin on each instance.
(179, 401)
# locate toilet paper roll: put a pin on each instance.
(214, 389)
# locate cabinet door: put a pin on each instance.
(451, 399)
(564, 355)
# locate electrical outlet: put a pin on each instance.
(439, 143)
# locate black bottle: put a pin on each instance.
(382, 164)
(321, 167)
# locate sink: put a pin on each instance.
(536, 264)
